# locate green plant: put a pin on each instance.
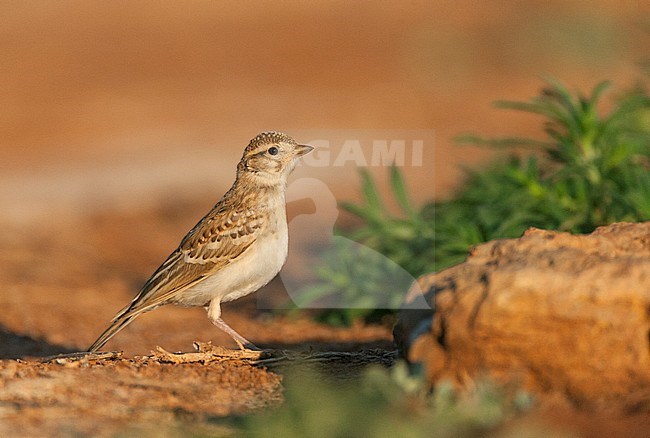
(386, 403)
(407, 239)
(366, 271)
(591, 170)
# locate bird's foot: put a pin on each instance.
(247, 345)
(242, 342)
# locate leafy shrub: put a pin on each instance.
(591, 170)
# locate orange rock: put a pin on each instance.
(553, 311)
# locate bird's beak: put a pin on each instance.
(302, 149)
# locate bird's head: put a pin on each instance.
(272, 156)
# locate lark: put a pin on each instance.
(234, 250)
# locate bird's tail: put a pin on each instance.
(118, 324)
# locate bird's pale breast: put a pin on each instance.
(249, 272)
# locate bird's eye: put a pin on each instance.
(273, 150)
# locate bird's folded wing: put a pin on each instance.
(220, 238)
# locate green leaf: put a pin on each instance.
(371, 195)
(399, 190)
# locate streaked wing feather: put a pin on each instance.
(221, 237)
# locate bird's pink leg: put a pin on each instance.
(243, 343)
(214, 314)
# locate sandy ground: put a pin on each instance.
(61, 300)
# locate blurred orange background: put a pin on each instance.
(125, 103)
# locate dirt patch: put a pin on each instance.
(103, 397)
(61, 286)
(93, 395)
